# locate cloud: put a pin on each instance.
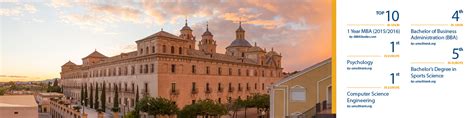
(125, 13)
(18, 10)
(59, 3)
(13, 76)
(300, 30)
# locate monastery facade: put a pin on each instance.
(171, 66)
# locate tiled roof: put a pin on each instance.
(95, 54)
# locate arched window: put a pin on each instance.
(153, 49)
(164, 48)
(147, 50)
(172, 49)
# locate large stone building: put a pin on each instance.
(170, 66)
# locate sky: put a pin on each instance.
(37, 37)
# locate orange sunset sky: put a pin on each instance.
(38, 37)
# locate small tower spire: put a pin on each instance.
(207, 26)
(240, 21)
(186, 21)
(255, 44)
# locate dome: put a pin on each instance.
(240, 29)
(272, 53)
(186, 27)
(256, 49)
(207, 33)
(240, 43)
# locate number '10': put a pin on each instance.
(392, 15)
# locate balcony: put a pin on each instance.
(231, 89)
(174, 92)
(208, 90)
(194, 91)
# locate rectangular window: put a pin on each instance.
(133, 70)
(173, 87)
(133, 87)
(240, 89)
(152, 68)
(193, 69)
(298, 94)
(126, 70)
(194, 87)
(146, 68)
(247, 87)
(126, 87)
(208, 70)
(119, 71)
(219, 87)
(173, 68)
(263, 86)
(120, 87)
(141, 69)
(230, 71)
(219, 71)
(146, 88)
(239, 73)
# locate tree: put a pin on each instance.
(204, 108)
(261, 102)
(55, 82)
(116, 107)
(91, 100)
(102, 98)
(96, 97)
(54, 88)
(132, 114)
(3, 90)
(157, 106)
(234, 106)
(85, 95)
